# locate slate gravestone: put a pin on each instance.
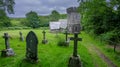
(31, 47)
(74, 27)
(8, 51)
(21, 36)
(44, 41)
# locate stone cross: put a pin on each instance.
(6, 36)
(21, 37)
(74, 27)
(76, 39)
(43, 34)
(31, 47)
(66, 38)
(44, 41)
(8, 51)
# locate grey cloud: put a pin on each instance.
(42, 7)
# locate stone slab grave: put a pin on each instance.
(31, 47)
(8, 51)
(74, 27)
(44, 41)
(21, 36)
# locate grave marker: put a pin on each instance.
(31, 47)
(21, 37)
(66, 38)
(8, 51)
(44, 41)
(74, 27)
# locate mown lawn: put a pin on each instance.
(50, 55)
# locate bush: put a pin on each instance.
(61, 42)
(14, 28)
(111, 36)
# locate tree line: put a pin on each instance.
(101, 18)
(32, 20)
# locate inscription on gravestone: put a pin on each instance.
(44, 41)
(31, 47)
(8, 51)
(21, 37)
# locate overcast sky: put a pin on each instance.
(42, 7)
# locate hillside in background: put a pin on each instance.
(44, 21)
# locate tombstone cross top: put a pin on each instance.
(8, 51)
(6, 36)
(44, 41)
(43, 34)
(21, 37)
(31, 47)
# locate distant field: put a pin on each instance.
(50, 55)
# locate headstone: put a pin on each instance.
(8, 51)
(44, 41)
(31, 47)
(21, 36)
(66, 39)
(74, 27)
(73, 22)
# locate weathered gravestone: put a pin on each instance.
(31, 47)
(8, 51)
(44, 41)
(66, 39)
(21, 37)
(74, 28)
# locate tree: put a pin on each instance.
(55, 15)
(101, 17)
(33, 19)
(6, 6)
(4, 20)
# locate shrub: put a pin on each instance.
(61, 42)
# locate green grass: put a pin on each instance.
(50, 55)
(109, 52)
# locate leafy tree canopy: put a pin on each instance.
(55, 15)
(101, 17)
(6, 6)
(33, 19)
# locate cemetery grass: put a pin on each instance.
(90, 41)
(50, 55)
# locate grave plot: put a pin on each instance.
(31, 47)
(44, 41)
(21, 36)
(74, 27)
(7, 51)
